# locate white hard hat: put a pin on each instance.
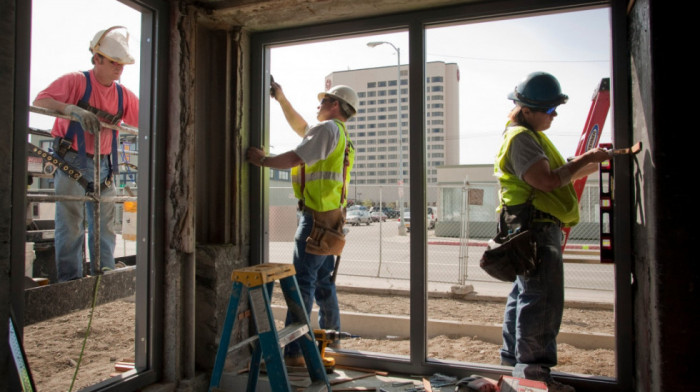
(113, 45)
(343, 93)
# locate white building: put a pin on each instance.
(375, 129)
(470, 193)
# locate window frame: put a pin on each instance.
(148, 352)
(415, 23)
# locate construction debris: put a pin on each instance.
(123, 366)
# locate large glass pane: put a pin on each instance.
(467, 112)
(373, 277)
(58, 314)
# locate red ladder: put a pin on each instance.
(591, 134)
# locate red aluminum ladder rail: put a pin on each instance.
(591, 134)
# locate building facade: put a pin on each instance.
(380, 119)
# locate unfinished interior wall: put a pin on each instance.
(179, 257)
(260, 15)
(665, 277)
(642, 120)
(220, 178)
(220, 175)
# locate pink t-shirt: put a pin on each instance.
(70, 88)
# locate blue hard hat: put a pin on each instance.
(538, 90)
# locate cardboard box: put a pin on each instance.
(513, 384)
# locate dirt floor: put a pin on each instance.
(53, 347)
(599, 362)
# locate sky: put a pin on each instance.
(492, 58)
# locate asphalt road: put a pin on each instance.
(378, 251)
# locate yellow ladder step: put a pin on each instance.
(263, 273)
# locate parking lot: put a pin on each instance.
(377, 250)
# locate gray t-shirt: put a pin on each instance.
(319, 141)
(524, 152)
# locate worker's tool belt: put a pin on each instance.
(514, 250)
(539, 216)
(57, 160)
(327, 236)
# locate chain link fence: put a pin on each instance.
(462, 219)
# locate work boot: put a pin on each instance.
(556, 386)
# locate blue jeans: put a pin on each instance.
(70, 215)
(534, 310)
(313, 275)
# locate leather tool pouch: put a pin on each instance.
(327, 237)
(515, 251)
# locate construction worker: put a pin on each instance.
(536, 194)
(327, 156)
(88, 98)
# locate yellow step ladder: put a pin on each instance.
(269, 343)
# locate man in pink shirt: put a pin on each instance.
(88, 98)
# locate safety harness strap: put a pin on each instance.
(74, 129)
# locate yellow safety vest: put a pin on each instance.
(322, 182)
(562, 202)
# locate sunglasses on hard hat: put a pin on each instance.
(327, 100)
(545, 110)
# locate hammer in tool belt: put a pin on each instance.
(335, 269)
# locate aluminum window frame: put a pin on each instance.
(415, 23)
(152, 121)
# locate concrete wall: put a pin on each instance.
(665, 270)
(206, 181)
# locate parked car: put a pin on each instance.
(390, 212)
(429, 222)
(377, 215)
(406, 219)
(357, 217)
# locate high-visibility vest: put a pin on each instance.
(562, 202)
(320, 185)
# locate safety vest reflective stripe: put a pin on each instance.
(323, 182)
(324, 176)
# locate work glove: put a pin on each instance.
(87, 120)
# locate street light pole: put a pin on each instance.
(402, 225)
